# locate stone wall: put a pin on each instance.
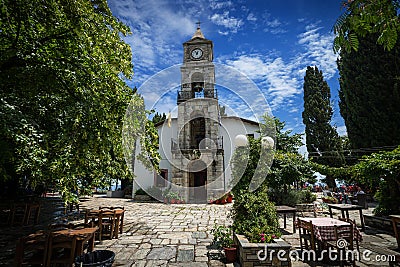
(249, 252)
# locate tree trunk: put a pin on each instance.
(330, 181)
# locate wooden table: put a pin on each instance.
(395, 221)
(83, 235)
(324, 227)
(285, 210)
(344, 208)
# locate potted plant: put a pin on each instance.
(229, 197)
(172, 197)
(223, 238)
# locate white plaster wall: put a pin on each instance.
(229, 129)
(144, 177)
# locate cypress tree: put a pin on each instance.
(322, 140)
(370, 95)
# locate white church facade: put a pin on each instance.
(197, 146)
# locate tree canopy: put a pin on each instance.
(369, 95)
(63, 95)
(365, 17)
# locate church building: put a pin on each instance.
(196, 147)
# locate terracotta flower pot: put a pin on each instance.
(230, 254)
(229, 199)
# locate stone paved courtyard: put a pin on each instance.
(157, 234)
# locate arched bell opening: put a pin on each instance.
(197, 82)
(197, 132)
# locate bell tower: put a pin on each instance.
(198, 167)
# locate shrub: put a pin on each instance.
(253, 214)
(292, 197)
(306, 196)
(223, 236)
(140, 191)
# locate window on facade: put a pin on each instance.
(162, 178)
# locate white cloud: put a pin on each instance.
(219, 5)
(251, 17)
(319, 50)
(282, 79)
(272, 25)
(342, 130)
(229, 22)
(158, 30)
(277, 78)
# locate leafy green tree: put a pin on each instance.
(159, 117)
(62, 94)
(285, 140)
(379, 18)
(322, 140)
(288, 167)
(253, 212)
(137, 128)
(381, 171)
(370, 95)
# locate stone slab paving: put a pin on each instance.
(156, 234)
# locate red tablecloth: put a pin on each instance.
(324, 228)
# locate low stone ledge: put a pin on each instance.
(248, 253)
(116, 194)
(381, 223)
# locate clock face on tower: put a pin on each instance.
(196, 53)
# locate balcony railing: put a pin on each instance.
(186, 95)
(174, 145)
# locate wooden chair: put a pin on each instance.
(306, 234)
(18, 213)
(61, 249)
(92, 217)
(31, 250)
(353, 222)
(5, 212)
(121, 220)
(344, 244)
(79, 225)
(32, 208)
(58, 226)
(106, 223)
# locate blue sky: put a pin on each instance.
(272, 42)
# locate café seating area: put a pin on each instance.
(21, 211)
(61, 243)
